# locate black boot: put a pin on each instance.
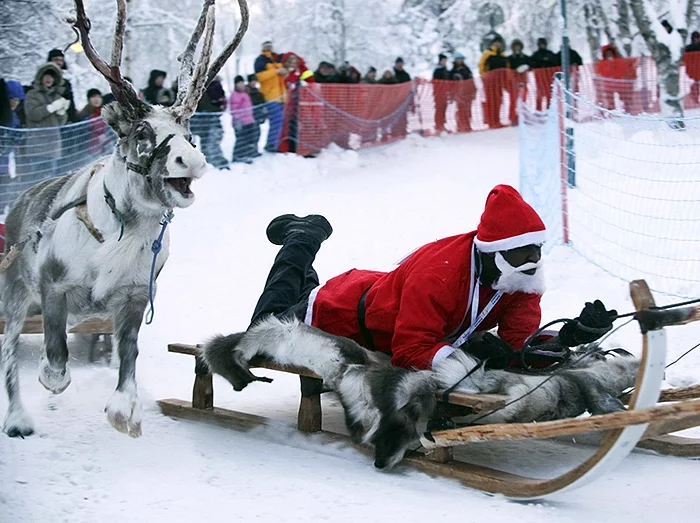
(286, 225)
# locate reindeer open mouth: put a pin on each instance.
(181, 185)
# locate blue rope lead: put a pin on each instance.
(155, 248)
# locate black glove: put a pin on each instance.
(593, 323)
(495, 352)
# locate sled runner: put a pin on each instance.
(620, 431)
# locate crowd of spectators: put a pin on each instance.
(48, 104)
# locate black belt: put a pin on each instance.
(361, 311)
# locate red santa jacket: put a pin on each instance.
(412, 309)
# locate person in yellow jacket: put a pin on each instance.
(493, 69)
(271, 74)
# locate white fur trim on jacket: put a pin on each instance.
(310, 306)
(506, 244)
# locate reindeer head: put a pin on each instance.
(154, 141)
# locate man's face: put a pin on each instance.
(267, 48)
(609, 55)
(59, 61)
(399, 66)
(696, 39)
(542, 46)
(458, 62)
(443, 62)
(48, 80)
(497, 45)
(159, 81)
(372, 75)
(517, 48)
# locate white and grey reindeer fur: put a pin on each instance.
(65, 269)
(390, 407)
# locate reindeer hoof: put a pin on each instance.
(54, 380)
(124, 413)
(18, 424)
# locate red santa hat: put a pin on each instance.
(508, 222)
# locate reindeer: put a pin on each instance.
(84, 240)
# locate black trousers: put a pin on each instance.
(291, 280)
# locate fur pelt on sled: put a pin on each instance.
(389, 407)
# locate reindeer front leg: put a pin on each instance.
(124, 409)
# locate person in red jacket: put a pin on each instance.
(437, 299)
(615, 74)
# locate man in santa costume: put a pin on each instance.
(439, 301)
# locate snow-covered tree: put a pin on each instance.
(666, 46)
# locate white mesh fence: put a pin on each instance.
(634, 206)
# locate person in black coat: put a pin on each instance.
(519, 64)
(542, 61)
(463, 92)
(441, 72)
(400, 73)
(440, 92)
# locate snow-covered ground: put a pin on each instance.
(382, 203)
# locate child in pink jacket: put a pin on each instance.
(241, 107)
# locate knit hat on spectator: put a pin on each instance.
(458, 56)
(399, 60)
(252, 77)
(267, 42)
(372, 69)
(541, 41)
(442, 56)
(93, 92)
(508, 222)
(238, 78)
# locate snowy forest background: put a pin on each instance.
(365, 32)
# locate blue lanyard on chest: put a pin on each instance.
(477, 317)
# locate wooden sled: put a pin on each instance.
(621, 431)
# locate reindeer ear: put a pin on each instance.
(117, 118)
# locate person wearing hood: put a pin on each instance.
(493, 67)
(543, 61)
(11, 97)
(463, 92)
(57, 57)
(46, 110)
(519, 65)
(615, 74)
(298, 76)
(691, 59)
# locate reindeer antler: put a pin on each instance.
(193, 79)
(122, 90)
(232, 45)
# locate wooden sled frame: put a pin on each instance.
(93, 327)
(621, 431)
